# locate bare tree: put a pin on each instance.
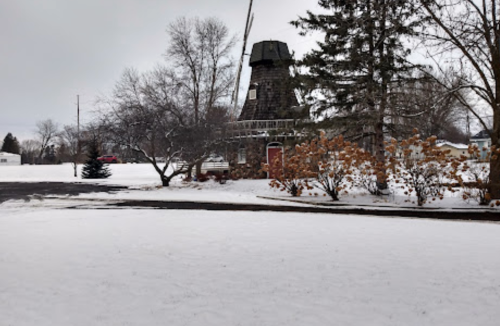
(468, 32)
(69, 139)
(46, 131)
(145, 113)
(29, 150)
(427, 105)
(200, 57)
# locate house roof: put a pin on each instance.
(457, 146)
(8, 154)
(480, 135)
(269, 52)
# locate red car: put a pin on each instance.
(108, 159)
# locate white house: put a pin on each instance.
(9, 159)
(481, 140)
(456, 150)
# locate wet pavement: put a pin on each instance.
(28, 190)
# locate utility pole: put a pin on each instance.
(236, 90)
(78, 116)
(79, 147)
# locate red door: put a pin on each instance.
(271, 154)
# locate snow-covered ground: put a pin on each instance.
(145, 183)
(63, 266)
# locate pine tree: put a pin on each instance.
(362, 55)
(93, 168)
(10, 145)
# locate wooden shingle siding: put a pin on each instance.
(270, 62)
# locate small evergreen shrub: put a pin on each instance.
(93, 168)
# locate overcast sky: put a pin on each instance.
(52, 50)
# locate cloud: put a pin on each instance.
(53, 50)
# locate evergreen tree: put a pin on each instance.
(93, 168)
(348, 79)
(10, 145)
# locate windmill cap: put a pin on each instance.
(266, 52)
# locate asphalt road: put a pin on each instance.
(25, 190)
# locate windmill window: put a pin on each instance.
(252, 94)
(242, 156)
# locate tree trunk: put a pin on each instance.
(165, 181)
(198, 168)
(190, 171)
(382, 187)
(379, 141)
(334, 195)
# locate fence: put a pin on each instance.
(260, 127)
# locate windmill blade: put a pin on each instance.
(248, 26)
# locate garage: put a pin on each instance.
(9, 159)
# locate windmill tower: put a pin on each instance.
(270, 95)
(266, 120)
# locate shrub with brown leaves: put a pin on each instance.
(331, 164)
(288, 168)
(474, 176)
(420, 168)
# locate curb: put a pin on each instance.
(480, 215)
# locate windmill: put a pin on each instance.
(248, 26)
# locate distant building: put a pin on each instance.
(9, 159)
(456, 150)
(481, 140)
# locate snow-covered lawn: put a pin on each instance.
(125, 174)
(171, 267)
(151, 267)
